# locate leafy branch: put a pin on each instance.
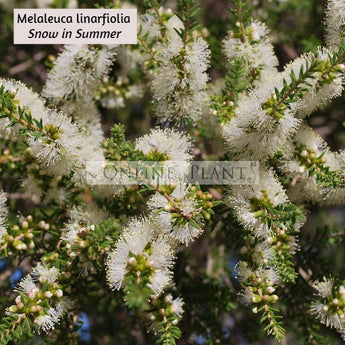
(189, 10)
(14, 328)
(18, 115)
(293, 91)
(274, 326)
(241, 14)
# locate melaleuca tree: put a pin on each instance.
(173, 263)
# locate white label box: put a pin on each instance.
(75, 26)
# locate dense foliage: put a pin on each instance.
(88, 259)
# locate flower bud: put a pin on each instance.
(29, 235)
(82, 244)
(20, 306)
(12, 309)
(59, 293)
(150, 263)
(256, 299)
(168, 207)
(35, 309)
(48, 294)
(19, 245)
(271, 289)
(33, 293)
(132, 261)
(335, 301)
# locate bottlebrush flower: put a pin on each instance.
(179, 216)
(169, 146)
(137, 250)
(179, 84)
(241, 201)
(3, 216)
(334, 23)
(257, 51)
